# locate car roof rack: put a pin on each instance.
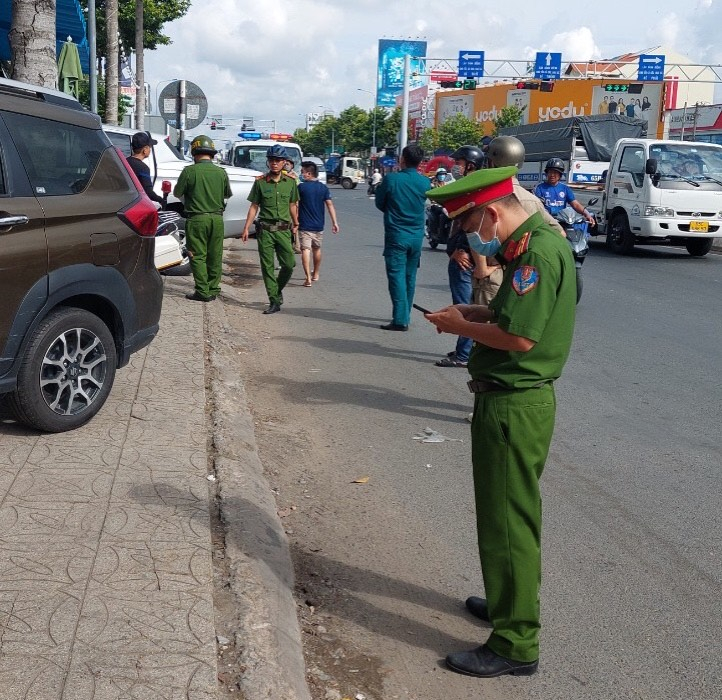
(14, 87)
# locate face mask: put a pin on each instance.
(457, 171)
(484, 248)
(441, 177)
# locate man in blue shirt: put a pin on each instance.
(401, 197)
(555, 194)
(311, 219)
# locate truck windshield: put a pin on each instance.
(253, 156)
(688, 162)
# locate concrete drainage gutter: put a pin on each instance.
(268, 648)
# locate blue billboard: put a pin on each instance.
(390, 77)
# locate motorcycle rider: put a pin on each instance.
(509, 150)
(556, 195)
(467, 159)
(441, 178)
(376, 177)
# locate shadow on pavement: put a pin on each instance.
(315, 391)
(360, 347)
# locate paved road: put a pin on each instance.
(631, 593)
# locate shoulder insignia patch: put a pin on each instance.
(525, 279)
(260, 177)
(517, 248)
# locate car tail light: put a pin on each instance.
(141, 215)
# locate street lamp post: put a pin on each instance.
(373, 137)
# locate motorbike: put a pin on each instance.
(438, 226)
(576, 228)
(371, 191)
(171, 255)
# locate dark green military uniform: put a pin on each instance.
(274, 200)
(512, 428)
(204, 187)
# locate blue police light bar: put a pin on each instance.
(250, 135)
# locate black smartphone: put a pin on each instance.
(421, 308)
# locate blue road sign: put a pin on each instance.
(651, 67)
(548, 66)
(471, 64)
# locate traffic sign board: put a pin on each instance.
(437, 76)
(471, 64)
(548, 66)
(196, 104)
(651, 67)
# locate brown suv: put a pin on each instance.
(78, 287)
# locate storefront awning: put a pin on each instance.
(69, 22)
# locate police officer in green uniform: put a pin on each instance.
(275, 196)
(522, 341)
(204, 187)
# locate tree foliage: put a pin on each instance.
(351, 132)
(156, 13)
(458, 131)
(84, 99)
(508, 116)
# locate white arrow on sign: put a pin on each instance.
(549, 60)
(467, 56)
(656, 59)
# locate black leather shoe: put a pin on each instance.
(393, 327)
(273, 309)
(194, 296)
(477, 607)
(482, 662)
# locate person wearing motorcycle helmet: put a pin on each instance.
(462, 260)
(509, 150)
(556, 195)
(441, 178)
(274, 198)
(204, 188)
(467, 159)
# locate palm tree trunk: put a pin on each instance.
(32, 43)
(139, 68)
(111, 62)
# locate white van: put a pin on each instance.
(252, 154)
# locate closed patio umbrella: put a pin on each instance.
(70, 72)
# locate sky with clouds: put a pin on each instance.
(279, 60)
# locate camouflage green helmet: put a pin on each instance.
(202, 145)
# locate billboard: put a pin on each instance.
(569, 98)
(390, 76)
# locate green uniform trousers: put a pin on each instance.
(511, 433)
(276, 243)
(204, 241)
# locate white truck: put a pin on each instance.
(662, 193)
(347, 171)
(584, 143)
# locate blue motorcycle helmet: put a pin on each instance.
(277, 151)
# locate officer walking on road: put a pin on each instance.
(522, 341)
(204, 187)
(274, 197)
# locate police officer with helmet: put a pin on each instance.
(203, 187)
(274, 197)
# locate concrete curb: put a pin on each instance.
(256, 547)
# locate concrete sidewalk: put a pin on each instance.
(109, 535)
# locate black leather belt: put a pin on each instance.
(479, 386)
(275, 226)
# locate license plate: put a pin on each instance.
(701, 226)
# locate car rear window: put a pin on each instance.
(59, 158)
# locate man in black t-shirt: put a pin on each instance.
(141, 145)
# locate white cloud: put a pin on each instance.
(279, 60)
